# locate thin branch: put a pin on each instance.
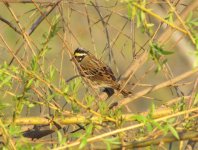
(181, 21)
(6, 137)
(105, 27)
(34, 26)
(102, 136)
(81, 119)
(53, 87)
(24, 34)
(159, 18)
(184, 14)
(42, 17)
(30, 1)
(156, 87)
(183, 135)
(10, 24)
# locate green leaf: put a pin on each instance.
(28, 146)
(133, 12)
(196, 99)
(6, 81)
(108, 146)
(111, 141)
(89, 129)
(66, 89)
(194, 23)
(129, 11)
(173, 131)
(59, 136)
(171, 120)
(28, 103)
(75, 107)
(139, 21)
(156, 52)
(165, 129)
(54, 27)
(156, 124)
(196, 41)
(103, 107)
(34, 64)
(89, 100)
(14, 130)
(142, 16)
(159, 50)
(114, 140)
(76, 135)
(149, 25)
(51, 73)
(170, 17)
(75, 85)
(152, 110)
(83, 143)
(4, 105)
(149, 127)
(189, 18)
(140, 118)
(29, 83)
(117, 113)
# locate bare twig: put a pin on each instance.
(168, 32)
(35, 25)
(106, 30)
(183, 135)
(6, 137)
(10, 24)
(156, 87)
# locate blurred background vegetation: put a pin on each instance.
(145, 42)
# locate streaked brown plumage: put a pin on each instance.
(96, 71)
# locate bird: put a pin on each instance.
(96, 71)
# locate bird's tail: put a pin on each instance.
(123, 91)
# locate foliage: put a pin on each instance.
(39, 86)
(156, 53)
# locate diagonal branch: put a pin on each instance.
(156, 87)
(35, 25)
(10, 24)
(183, 135)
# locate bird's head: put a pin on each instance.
(80, 54)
